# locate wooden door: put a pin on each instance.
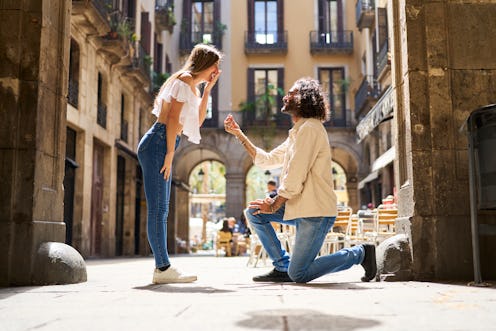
(97, 201)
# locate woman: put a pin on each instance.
(178, 108)
(306, 197)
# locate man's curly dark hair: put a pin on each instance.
(308, 101)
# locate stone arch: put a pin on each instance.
(348, 156)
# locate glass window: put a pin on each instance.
(202, 21)
(266, 22)
(266, 97)
(334, 85)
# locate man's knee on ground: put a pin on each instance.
(297, 276)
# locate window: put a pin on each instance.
(101, 116)
(266, 21)
(330, 16)
(334, 85)
(202, 21)
(212, 115)
(265, 86)
(201, 24)
(73, 88)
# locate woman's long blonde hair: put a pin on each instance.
(201, 57)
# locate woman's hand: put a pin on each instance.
(263, 206)
(212, 80)
(167, 167)
(231, 126)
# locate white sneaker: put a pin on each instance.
(171, 275)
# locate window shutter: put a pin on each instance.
(186, 23)
(383, 34)
(322, 26)
(280, 85)
(280, 17)
(217, 32)
(146, 31)
(251, 16)
(250, 115)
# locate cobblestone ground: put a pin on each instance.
(119, 296)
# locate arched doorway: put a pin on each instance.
(207, 182)
(340, 180)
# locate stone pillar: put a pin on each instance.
(235, 195)
(443, 67)
(34, 56)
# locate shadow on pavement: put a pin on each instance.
(168, 288)
(298, 319)
(334, 286)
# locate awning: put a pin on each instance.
(382, 111)
(373, 175)
(384, 159)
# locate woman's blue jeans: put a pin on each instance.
(302, 266)
(151, 153)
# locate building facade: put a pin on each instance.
(121, 51)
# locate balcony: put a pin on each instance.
(342, 120)
(365, 14)
(334, 42)
(188, 40)
(383, 61)
(140, 66)
(101, 115)
(266, 42)
(91, 15)
(367, 95)
(164, 16)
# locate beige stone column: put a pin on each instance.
(235, 195)
(34, 47)
(444, 67)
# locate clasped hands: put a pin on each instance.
(263, 206)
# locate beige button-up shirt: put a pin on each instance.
(306, 177)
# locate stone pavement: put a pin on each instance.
(119, 296)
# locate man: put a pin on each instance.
(306, 197)
(271, 189)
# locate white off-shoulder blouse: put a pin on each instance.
(189, 117)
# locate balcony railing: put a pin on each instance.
(73, 93)
(339, 120)
(101, 115)
(188, 40)
(382, 59)
(142, 62)
(266, 42)
(364, 13)
(333, 42)
(164, 15)
(94, 14)
(368, 91)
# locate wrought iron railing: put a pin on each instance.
(266, 41)
(333, 41)
(143, 61)
(369, 88)
(188, 40)
(382, 58)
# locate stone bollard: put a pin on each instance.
(58, 263)
(394, 260)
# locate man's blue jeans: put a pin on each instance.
(151, 153)
(302, 266)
